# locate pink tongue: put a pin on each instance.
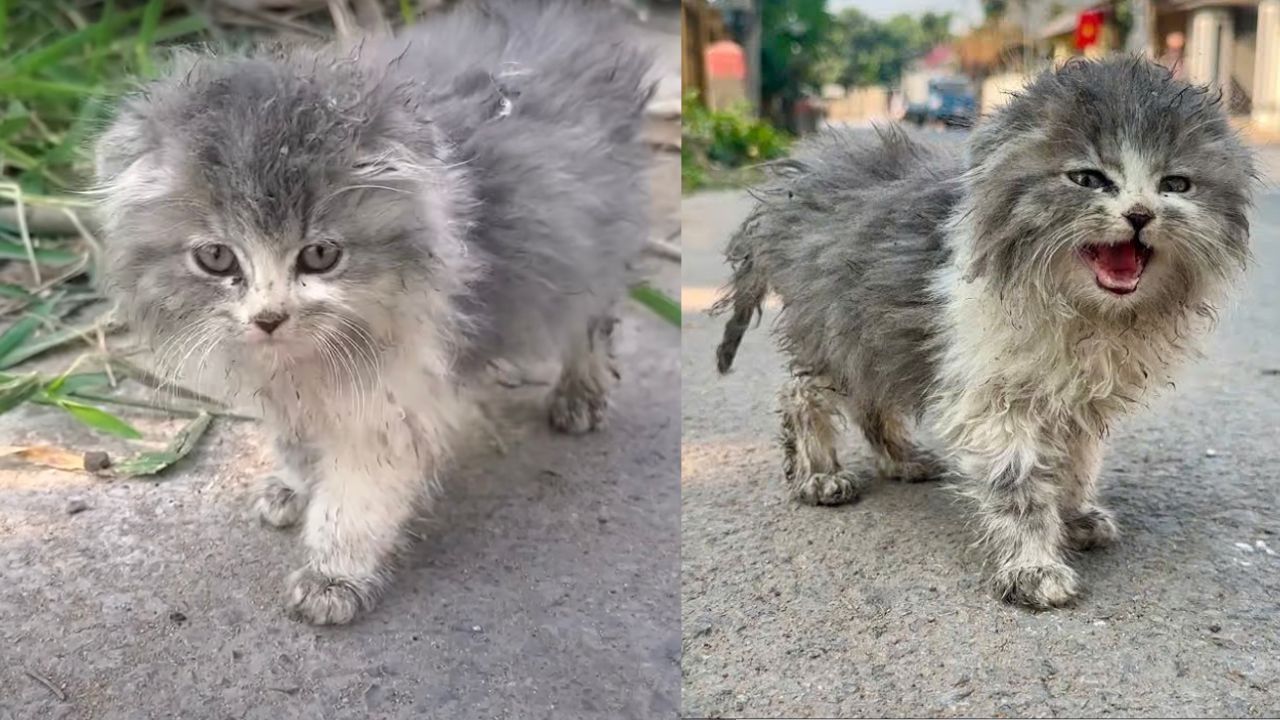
(1118, 259)
(1117, 267)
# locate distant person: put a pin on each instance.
(1173, 57)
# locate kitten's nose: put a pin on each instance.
(1138, 218)
(269, 320)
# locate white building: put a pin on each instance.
(1233, 45)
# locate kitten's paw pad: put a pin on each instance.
(835, 488)
(1093, 527)
(1037, 586)
(577, 411)
(322, 600)
(278, 505)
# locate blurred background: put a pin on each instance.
(759, 72)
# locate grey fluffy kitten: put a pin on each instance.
(1020, 299)
(351, 238)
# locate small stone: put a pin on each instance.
(96, 461)
(177, 617)
(1215, 628)
(1211, 453)
(476, 629)
(76, 505)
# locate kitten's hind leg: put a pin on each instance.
(896, 456)
(810, 410)
(282, 498)
(581, 397)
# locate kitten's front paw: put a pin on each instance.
(1093, 527)
(576, 410)
(279, 505)
(322, 600)
(835, 488)
(1036, 586)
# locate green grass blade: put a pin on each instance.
(44, 344)
(4, 25)
(99, 419)
(34, 88)
(15, 251)
(151, 463)
(13, 291)
(64, 47)
(79, 382)
(406, 11)
(18, 333)
(150, 21)
(659, 302)
(16, 390)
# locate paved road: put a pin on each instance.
(546, 585)
(877, 608)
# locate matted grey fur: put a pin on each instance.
(1019, 298)
(350, 239)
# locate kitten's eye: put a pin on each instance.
(318, 258)
(216, 259)
(1174, 184)
(1091, 179)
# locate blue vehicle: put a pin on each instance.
(950, 102)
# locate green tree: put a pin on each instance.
(794, 38)
(865, 51)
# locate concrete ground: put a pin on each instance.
(878, 609)
(544, 586)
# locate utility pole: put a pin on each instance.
(1139, 40)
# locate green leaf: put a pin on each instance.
(45, 343)
(659, 302)
(17, 334)
(16, 390)
(151, 463)
(99, 419)
(71, 384)
(14, 291)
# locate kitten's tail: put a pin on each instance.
(744, 296)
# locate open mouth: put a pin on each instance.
(1117, 268)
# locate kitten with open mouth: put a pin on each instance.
(1020, 297)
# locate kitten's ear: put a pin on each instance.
(397, 146)
(135, 135)
(387, 161)
(125, 142)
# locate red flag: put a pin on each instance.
(1089, 28)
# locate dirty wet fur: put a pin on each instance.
(350, 239)
(954, 291)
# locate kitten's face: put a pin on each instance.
(247, 218)
(1113, 187)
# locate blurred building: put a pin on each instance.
(1231, 45)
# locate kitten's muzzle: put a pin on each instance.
(268, 320)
